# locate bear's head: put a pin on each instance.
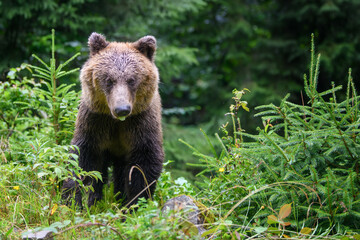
(119, 78)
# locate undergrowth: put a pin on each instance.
(305, 157)
(298, 177)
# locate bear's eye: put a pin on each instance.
(109, 82)
(131, 81)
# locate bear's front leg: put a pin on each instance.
(89, 160)
(143, 170)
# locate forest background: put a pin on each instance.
(205, 50)
(288, 167)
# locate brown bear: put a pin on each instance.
(119, 118)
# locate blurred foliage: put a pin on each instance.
(179, 154)
(206, 48)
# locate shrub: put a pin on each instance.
(306, 155)
(38, 117)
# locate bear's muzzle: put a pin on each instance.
(122, 111)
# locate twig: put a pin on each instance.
(143, 174)
(140, 193)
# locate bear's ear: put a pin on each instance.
(147, 46)
(96, 43)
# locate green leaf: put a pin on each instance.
(11, 74)
(36, 165)
(244, 106)
(41, 174)
(274, 230)
(272, 220)
(57, 171)
(96, 174)
(208, 232)
(259, 230)
(9, 232)
(306, 230)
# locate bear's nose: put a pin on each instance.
(123, 111)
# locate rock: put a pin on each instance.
(188, 213)
(41, 235)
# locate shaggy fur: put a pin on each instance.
(119, 76)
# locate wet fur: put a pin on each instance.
(105, 141)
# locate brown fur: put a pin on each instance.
(117, 75)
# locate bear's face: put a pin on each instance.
(119, 78)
